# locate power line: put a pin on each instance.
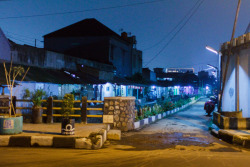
(23, 36)
(165, 36)
(81, 11)
(176, 33)
(20, 40)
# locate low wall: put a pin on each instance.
(226, 122)
(119, 112)
(143, 122)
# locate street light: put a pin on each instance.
(212, 50)
(218, 69)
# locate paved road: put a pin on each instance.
(180, 140)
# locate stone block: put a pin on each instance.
(124, 124)
(110, 113)
(103, 132)
(116, 118)
(81, 143)
(64, 142)
(106, 104)
(98, 144)
(4, 140)
(118, 125)
(20, 141)
(117, 112)
(42, 141)
(111, 108)
(114, 135)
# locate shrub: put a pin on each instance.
(67, 105)
(168, 105)
(157, 109)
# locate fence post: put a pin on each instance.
(84, 109)
(50, 110)
(14, 105)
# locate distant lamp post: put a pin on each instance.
(217, 69)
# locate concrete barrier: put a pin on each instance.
(225, 122)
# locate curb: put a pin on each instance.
(232, 138)
(141, 123)
(56, 142)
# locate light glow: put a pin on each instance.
(212, 50)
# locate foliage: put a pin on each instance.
(168, 105)
(11, 75)
(37, 96)
(26, 94)
(157, 109)
(67, 105)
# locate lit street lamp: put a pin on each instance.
(217, 69)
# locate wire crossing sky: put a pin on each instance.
(171, 33)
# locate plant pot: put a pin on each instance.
(68, 126)
(37, 115)
(11, 125)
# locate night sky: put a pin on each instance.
(204, 22)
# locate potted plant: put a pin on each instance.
(36, 98)
(11, 123)
(68, 125)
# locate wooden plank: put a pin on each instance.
(4, 107)
(95, 109)
(59, 108)
(24, 108)
(59, 115)
(94, 101)
(94, 116)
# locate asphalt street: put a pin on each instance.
(182, 139)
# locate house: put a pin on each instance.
(89, 39)
(179, 83)
(237, 83)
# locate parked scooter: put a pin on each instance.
(209, 107)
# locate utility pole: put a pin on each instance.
(229, 54)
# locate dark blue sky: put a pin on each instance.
(210, 25)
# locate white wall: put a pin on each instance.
(244, 83)
(228, 99)
(4, 47)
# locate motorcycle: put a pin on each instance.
(209, 107)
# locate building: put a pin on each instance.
(179, 70)
(89, 39)
(237, 83)
(179, 83)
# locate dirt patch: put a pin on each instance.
(161, 141)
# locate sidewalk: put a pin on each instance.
(238, 137)
(49, 135)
